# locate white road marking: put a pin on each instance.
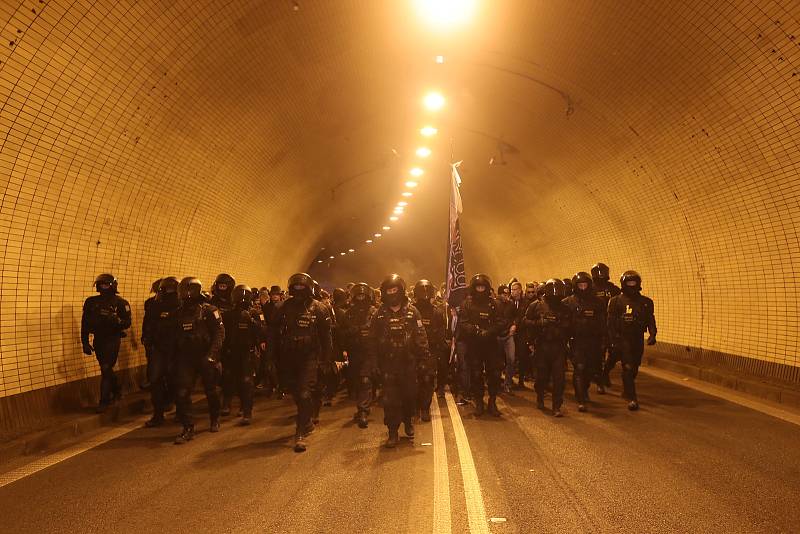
(476, 513)
(724, 393)
(441, 478)
(69, 452)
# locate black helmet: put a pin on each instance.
(339, 296)
(582, 278)
(361, 288)
(600, 273)
(105, 283)
(568, 289)
(316, 290)
(301, 285)
(540, 289)
(630, 281)
(424, 291)
(168, 285)
(190, 288)
(154, 287)
(242, 296)
(393, 281)
(553, 289)
(223, 285)
(480, 280)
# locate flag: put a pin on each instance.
(456, 289)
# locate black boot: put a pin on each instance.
(362, 420)
(393, 440)
(479, 406)
(408, 428)
(299, 442)
(186, 435)
(155, 421)
(493, 410)
(540, 403)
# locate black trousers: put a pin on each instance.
(158, 374)
(587, 361)
(611, 355)
(425, 382)
(300, 377)
(630, 349)
(522, 353)
(238, 372)
(106, 350)
(187, 368)
(399, 397)
(550, 366)
(443, 368)
(360, 377)
(484, 356)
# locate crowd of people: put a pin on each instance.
(395, 345)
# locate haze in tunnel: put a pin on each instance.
(155, 138)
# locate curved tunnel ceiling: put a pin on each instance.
(153, 138)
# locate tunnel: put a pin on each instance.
(265, 138)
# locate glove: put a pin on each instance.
(651, 339)
(87, 349)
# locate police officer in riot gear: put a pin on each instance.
(480, 323)
(106, 316)
(398, 344)
(435, 323)
(162, 335)
(568, 287)
(221, 292)
(604, 289)
(354, 327)
(200, 337)
(630, 315)
(548, 321)
(147, 322)
(243, 334)
(300, 332)
(588, 317)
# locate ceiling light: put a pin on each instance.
(416, 171)
(402, 204)
(428, 131)
(342, 253)
(398, 211)
(411, 183)
(407, 194)
(333, 257)
(423, 152)
(394, 218)
(433, 101)
(351, 250)
(377, 235)
(368, 241)
(319, 261)
(387, 227)
(445, 14)
(440, 59)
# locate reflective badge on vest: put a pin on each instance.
(243, 326)
(216, 314)
(551, 317)
(588, 313)
(261, 316)
(396, 325)
(426, 322)
(164, 315)
(628, 317)
(305, 320)
(484, 315)
(187, 327)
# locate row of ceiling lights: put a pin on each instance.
(433, 101)
(443, 15)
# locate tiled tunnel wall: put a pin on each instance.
(152, 138)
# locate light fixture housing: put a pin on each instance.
(416, 172)
(428, 131)
(433, 101)
(412, 183)
(423, 152)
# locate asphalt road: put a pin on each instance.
(686, 462)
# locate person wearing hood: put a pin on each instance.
(162, 335)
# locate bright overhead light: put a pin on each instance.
(333, 257)
(423, 152)
(440, 59)
(342, 253)
(407, 194)
(394, 218)
(398, 211)
(411, 183)
(416, 171)
(402, 204)
(433, 101)
(377, 235)
(428, 131)
(446, 14)
(368, 241)
(351, 250)
(319, 261)
(387, 228)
